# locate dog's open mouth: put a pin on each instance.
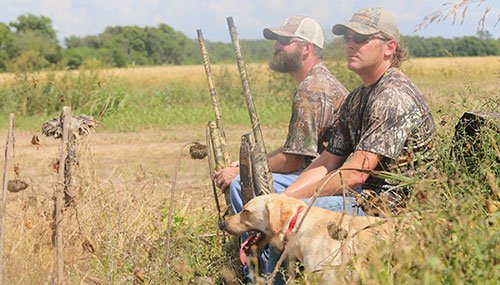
(254, 238)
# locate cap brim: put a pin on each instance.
(341, 29)
(274, 33)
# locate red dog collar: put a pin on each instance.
(294, 220)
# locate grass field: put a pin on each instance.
(115, 232)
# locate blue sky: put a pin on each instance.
(90, 17)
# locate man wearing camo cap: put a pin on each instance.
(385, 124)
(319, 95)
(298, 52)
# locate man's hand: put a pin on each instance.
(224, 176)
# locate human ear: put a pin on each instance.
(391, 46)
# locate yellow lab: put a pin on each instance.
(324, 240)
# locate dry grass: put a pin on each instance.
(115, 232)
(116, 226)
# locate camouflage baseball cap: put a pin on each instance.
(370, 21)
(297, 27)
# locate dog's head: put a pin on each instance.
(264, 217)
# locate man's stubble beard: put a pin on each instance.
(284, 63)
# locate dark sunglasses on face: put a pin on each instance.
(284, 41)
(362, 39)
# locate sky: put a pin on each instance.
(91, 17)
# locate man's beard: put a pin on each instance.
(283, 62)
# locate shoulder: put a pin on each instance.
(396, 82)
(395, 87)
(321, 80)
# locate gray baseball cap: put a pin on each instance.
(297, 27)
(368, 21)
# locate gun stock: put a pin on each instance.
(263, 180)
(246, 174)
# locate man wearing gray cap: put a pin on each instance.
(319, 95)
(384, 125)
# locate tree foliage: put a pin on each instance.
(438, 46)
(31, 43)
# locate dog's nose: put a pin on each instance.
(222, 224)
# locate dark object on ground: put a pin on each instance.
(473, 135)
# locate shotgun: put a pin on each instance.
(261, 175)
(216, 131)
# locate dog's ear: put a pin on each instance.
(279, 213)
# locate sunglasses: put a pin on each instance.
(284, 41)
(362, 39)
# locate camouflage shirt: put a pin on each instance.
(316, 104)
(389, 118)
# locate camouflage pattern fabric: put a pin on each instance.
(390, 118)
(316, 104)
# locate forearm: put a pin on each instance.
(280, 162)
(349, 176)
(334, 183)
(313, 175)
(307, 182)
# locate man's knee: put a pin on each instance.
(235, 187)
(337, 204)
(235, 195)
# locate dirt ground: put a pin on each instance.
(127, 158)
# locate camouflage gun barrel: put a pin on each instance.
(218, 134)
(263, 180)
(215, 133)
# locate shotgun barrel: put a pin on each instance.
(263, 180)
(215, 130)
(221, 135)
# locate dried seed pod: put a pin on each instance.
(17, 169)
(198, 151)
(54, 165)
(16, 185)
(35, 140)
(88, 246)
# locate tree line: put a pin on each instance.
(30, 43)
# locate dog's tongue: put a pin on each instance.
(244, 248)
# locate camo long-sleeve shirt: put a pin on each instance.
(316, 105)
(389, 118)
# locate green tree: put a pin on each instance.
(73, 42)
(7, 49)
(30, 22)
(34, 36)
(484, 35)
